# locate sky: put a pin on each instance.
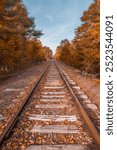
(58, 19)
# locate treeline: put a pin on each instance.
(83, 52)
(19, 40)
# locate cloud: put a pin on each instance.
(54, 35)
(49, 17)
(58, 19)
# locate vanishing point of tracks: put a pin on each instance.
(51, 118)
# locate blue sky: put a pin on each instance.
(57, 18)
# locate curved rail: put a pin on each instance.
(13, 121)
(95, 134)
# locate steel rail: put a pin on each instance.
(95, 134)
(14, 119)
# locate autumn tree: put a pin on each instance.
(66, 53)
(87, 39)
(17, 30)
(58, 53)
(47, 53)
(83, 52)
(37, 51)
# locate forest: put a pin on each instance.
(83, 51)
(20, 43)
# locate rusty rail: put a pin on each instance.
(14, 119)
(95, 134)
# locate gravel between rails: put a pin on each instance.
(27, 131)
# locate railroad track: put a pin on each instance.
(51, 118)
